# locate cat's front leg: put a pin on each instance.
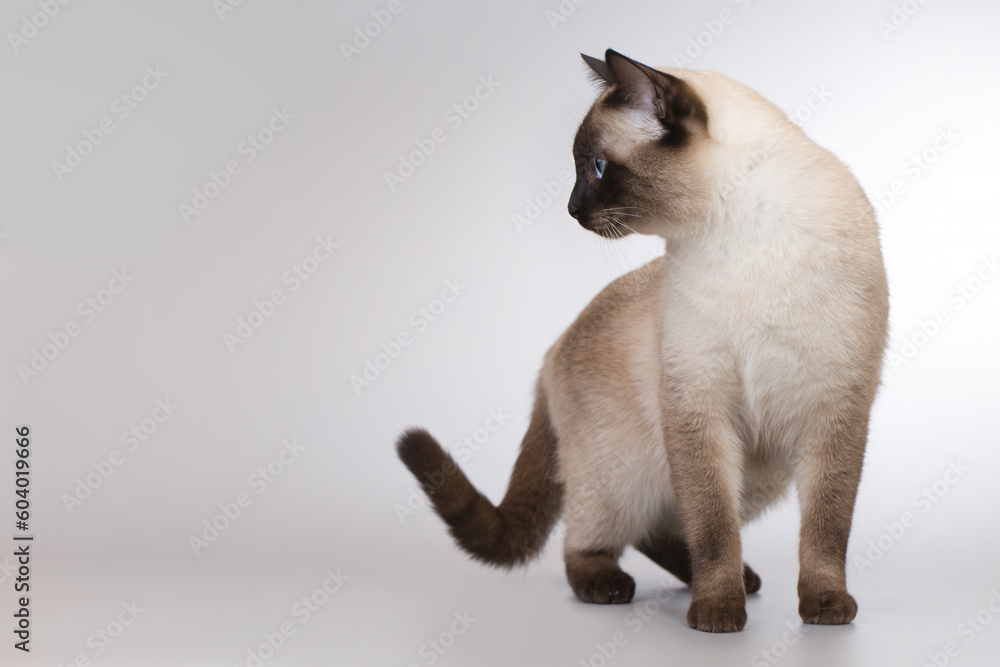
(828, 483)
(705, 472)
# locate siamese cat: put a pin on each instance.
(667, 417)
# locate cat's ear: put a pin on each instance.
(657, 93)
(600, 70)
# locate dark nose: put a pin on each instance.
(576, 197)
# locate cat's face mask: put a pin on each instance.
(635, 152)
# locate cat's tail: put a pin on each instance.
(512, 533)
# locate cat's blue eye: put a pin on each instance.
(598, 165)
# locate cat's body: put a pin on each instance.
(685, 398)
(616, 495)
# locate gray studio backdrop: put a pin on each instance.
(244, 244)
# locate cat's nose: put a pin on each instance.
(574, 210)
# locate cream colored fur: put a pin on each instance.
(766, 316)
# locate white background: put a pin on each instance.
(334, 507)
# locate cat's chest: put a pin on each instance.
(788, 316)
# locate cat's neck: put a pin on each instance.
(771, 228)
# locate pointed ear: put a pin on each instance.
(599, 67)
(665, 97)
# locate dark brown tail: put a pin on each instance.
(512, 533)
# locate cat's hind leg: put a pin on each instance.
(595, 577)
(665, 547)
(601, 520)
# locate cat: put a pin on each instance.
(748, 358)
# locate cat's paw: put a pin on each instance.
(604, 586)
(827, 608)
(717, 614)
(750, 579)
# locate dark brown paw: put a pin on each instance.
(828, 608)
(717, 615)
(750, 579)
(604, 586)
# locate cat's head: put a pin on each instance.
(637, 152)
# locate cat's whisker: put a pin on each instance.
(615, 227)
(627, 227)
(620, 253)
(625, 208)
(640, 268)
(621, 210)
(614, 224)
(615, 258)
